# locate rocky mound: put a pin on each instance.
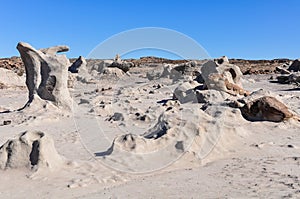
(32, 150)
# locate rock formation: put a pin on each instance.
(79, 64)
(185, 93)
(222, 76)
(46, 74)
(31, 149)
(295, 66)
(123, 65)
(289, 79)
(98, 65)
(266, 109)
(118, 59)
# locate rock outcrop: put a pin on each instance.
(46, 74)
(222, 76)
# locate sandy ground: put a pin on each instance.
(234, 158)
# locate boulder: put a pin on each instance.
(222, 60)
(79, 64)
(211, 96)
(266, 109)
(123, 65)
(185, 93)
(32, 150)
(113, 72)
(289, 79)
(295, 66)
(99, 65)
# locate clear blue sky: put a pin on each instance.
(251, 29)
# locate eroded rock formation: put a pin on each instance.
(78, 65)
(123, 65)
(295, 66)
(46, 74)
(266, 109)
(222, 76)
(31, 149)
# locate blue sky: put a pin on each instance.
(250, 29)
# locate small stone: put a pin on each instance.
(6, 122)
(117, 117)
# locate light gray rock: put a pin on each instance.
(185, 93)
(222, 60)
(222, 76)
(99, 65)
(46, 74)
(211, 96)
(32, 150)
(54, 49)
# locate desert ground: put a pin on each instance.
(149, 128)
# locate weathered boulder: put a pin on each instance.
(295, 66)
(266, 109)
(79, 64)
(222, 76)
(175, 71)
(222, 60)
(185, 93)
(46, 74)
(31, 149)
(289, 79)
(113, 72)
(211, 96)
(123, 65)
(98, 65)
(282, 70)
